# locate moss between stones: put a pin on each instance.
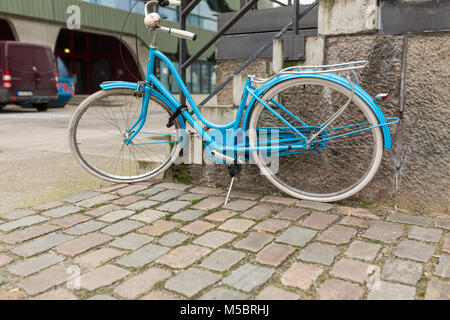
(181, 174)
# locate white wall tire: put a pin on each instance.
(94, 170)
(295, 192)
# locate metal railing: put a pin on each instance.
(246, 5)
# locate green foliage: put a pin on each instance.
(181, 174)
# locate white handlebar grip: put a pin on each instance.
(175, 3)
(183, 34)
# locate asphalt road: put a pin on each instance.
(36, 164)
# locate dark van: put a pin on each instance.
(28, 75)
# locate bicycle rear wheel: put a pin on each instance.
(98, 131)
(332, 169)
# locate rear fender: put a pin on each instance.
(331, 77)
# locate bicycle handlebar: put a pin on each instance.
(179, 33)
(175, 3)
(152, 20)
(163, 3)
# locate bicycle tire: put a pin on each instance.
(311, 181)
(98, 128)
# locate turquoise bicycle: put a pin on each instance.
(314, 134)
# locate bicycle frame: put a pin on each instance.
(232, 132)
(233, 126)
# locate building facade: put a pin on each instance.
(85, 37)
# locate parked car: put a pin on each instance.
(29, 75)
(66, 85)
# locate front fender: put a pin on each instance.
(331, 77)
(134, 86)
(109, 85)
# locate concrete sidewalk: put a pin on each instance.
(173, 241)
(35, 159)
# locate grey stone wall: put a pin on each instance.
(415, 71)
(414, 173)
(383, 74)
(260, 67)
(425, 162)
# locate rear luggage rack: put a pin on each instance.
(332, 68)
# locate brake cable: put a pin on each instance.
(121, 43)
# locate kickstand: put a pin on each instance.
(233, 170)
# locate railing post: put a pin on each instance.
(182, 47)
(220, 32)
(257, 53)
(186, 7)
(277, 56)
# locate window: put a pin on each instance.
(200, 77)
(139, 7)
(120, 4)
(175, 88)
(95, 44)
(80, 42)
(164, 74)
(196, 76)
(212, 79)
(202, 16)
(63, 41)
(81, 72)
(106, 46)
(170, 14)
(204, 77)
(63, 70)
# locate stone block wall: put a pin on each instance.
(260, 67)
(415, 70)
(423, 140)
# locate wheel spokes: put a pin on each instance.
(333, 165)
(103, 129)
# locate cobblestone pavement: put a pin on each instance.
(173, 241)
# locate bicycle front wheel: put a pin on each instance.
(103, 122)
(331, 169)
